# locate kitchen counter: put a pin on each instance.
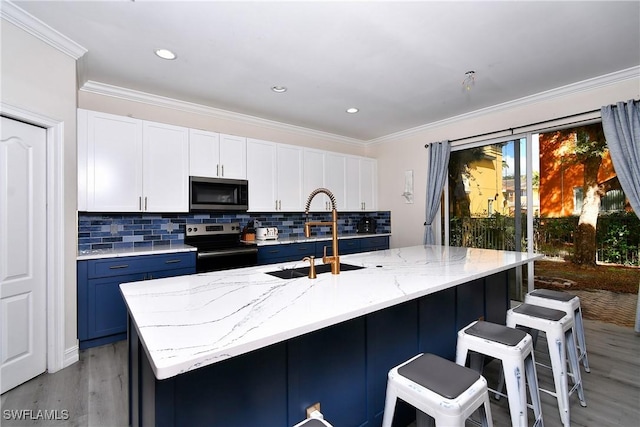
(241, 347)
(188, 322)
(113, 253)
(302, 239)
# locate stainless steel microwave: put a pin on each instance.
(218, 194)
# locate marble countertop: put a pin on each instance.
(302, 239)
(188, 322)
(113, 253)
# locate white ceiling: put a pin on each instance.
(401, 63)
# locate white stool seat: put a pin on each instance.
(514, 348)
(313, 422)
(569, 304)
(437, 387)
(558, 327)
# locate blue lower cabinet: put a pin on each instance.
(270, 254)
(102, 314)
(374, 243)
(284, 252)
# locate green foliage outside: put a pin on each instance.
(617, 236)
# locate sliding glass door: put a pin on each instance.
(492, 198)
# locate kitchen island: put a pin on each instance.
(245, 348)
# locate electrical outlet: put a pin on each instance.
(314, 407)
(114, 229)
(170, 226)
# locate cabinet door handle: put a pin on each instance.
(279, 205)
(218, 170)
(172, 261)
(145, 203)
(116, 267)
(223, 170)
(276, 205)
(140, 202)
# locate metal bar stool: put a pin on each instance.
(558, 327)
(571, 305)
(313, 422)
(514, 348)
(438, 387)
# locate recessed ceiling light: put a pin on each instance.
(279, 89)
(165, 54)
(352, 110)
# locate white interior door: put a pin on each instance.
(22, 252)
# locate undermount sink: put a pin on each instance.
(294, 273)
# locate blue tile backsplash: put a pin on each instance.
(123, 231)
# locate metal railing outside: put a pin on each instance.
(617, 236)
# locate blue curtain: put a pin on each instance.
(621, 125)
(436, 175)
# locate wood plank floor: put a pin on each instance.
(94, 390)
(612, 388)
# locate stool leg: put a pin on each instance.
(485, 412)
(581, 341)
(575, 365)
(514, 375)
(534, 392)
(557, 354)
(389, 405)
(424, 420)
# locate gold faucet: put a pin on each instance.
(334, 260)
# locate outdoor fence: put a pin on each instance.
(617, 236)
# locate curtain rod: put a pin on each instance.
(525, 126)
(518, 127)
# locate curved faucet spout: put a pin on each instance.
(334, 260)
(315, 193)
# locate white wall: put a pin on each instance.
(397, 154)
(40, 79)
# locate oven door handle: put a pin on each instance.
(227, 252)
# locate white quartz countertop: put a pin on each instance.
(113, 253)
(188, 322)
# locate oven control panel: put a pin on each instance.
(212, 229)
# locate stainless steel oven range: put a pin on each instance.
(219, 247)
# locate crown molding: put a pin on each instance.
(189, 107)
(10, 12)
(570, 89)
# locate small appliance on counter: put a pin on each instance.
(366, 225)
(266, 233)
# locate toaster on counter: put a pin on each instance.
(266, 233)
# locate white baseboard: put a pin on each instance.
(71, 356)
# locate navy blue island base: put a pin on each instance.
(344, 367)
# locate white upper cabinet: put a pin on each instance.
(110, 154)
(204, 153)
(361, 184)
(324, 169)
(289, 178)
(165, 167)
(368, 184)
(274, 172)
(132, 165)
(216, 155)
(233, 156)
(335, 169)
(129, 165)
(261, 174)
(313, 168)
